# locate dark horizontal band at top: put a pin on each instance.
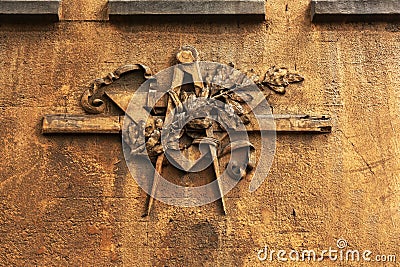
(357, 10)
(186, 7)
(29, 7)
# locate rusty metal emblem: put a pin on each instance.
(197, 120)
(188, 123)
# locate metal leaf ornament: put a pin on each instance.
(277, 79)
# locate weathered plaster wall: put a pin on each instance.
(69, 200)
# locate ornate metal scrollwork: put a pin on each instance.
(91, 99)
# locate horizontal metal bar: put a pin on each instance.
(64, 123)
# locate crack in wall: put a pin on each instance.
(369, 167)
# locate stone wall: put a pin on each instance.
(69, 200)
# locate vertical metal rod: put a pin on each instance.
(213, 150)
(157, 172)
(158, 167)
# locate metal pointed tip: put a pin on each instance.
(253, 187)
